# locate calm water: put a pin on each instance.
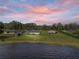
(37, 51)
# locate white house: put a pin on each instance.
(33, 32)
(9, 32)
(52, 32)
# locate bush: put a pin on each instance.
(71, 34)
(76, 32)
(1, 31)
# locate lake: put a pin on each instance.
(37, 51)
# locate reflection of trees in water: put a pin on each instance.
(34, 51)
(8, 51)
(11, 51)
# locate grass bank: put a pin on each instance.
(58, 39)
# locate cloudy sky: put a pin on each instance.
(39, 11)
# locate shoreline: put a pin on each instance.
(72, 45)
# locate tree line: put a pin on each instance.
(15, 25)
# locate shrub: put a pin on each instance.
(76, 32)
(1, 31)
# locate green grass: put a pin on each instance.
(54, 39)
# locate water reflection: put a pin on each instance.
(37, 51)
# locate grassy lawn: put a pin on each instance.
(44, 38)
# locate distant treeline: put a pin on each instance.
(14, 25)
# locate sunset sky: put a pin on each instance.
(39, 11)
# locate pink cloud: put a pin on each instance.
(41, 9)
(38, 15)
(70, 2)
(19, 16)
(38, 19)
(24, 6)
(67, 4)
(3, 10)
(77, 17)
(45, 10)
(46, 20)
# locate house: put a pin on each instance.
(9, 32)
(72, 31)
(33, 32)
(52, 32)
(13, 32)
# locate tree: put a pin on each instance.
(1, 27)
(46, 27)
(14, 25)
(74, 26)
(71, 26)
(54, 27)
(30, 26)
(66, 27)
(59, 26)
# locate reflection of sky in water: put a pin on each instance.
(32, 51)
